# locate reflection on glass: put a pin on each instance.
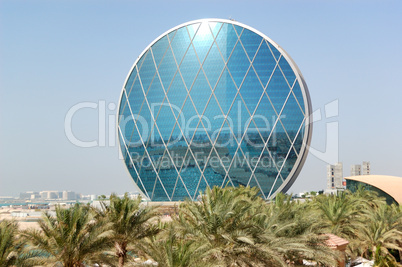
(210, 104)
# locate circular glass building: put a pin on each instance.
(213, 103)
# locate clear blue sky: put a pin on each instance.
(55, 54)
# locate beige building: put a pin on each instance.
(334, 176)
(355, 170)
(386, 186)
(366, 168)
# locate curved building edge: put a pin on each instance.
(391, 185)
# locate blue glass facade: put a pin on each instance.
(213, 102)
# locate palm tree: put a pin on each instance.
(235, 227)
(341, 214)
(222, 225)
(297, 230)
(169, 250)
(13, 250)
(367, 198)
(71, 238)
(129, 223)
(9, 243)
(382, 233)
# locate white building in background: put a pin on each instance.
(366, 168)
(29, 195)
(69, 195)
(334, 177)
(355, 170)
(50, 194)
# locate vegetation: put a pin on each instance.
(129, 223)
(72, 238)
(227, 227)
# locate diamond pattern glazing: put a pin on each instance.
(213, 102)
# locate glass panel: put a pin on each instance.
(180, 192)
(132, 77)
(192, 29)
(278, 90)
(203, 41)
(239, 116)
(225, 91)
(159, 48)
(130, 132)
(252, 141)
(147, 175)
(200, 93)
(159, 193)
(213, 122)
(190, 174)
(238, 64)
(147, 72)
(239, 172)
(200, 188)
(189, 67)
(155, 95)
(213, 65)
(166, 169)
(251, 90)
(141, 61)
(287, 70)
(253, 183)
(165, 121)
(264, 63)
(239, 29)
(215, 27)
(167, 69)
(292, 117)
(265, 117)
(123, 150)
(266, 171)
(299, 140)
(122, 106)
(251, 41)
(136, 97)
(172, 34)
(201, 146)
(180, 43)
(275, 51)
(177, 93)
(177, 147)
(279, 145)
(288, 165)
(213, 178)
(217, 165)
(226, 40)
(188, 120)
(299, 96)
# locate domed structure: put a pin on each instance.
(213, 102)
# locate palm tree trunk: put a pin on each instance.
(121, 252)
(121, 261)
(374, 253)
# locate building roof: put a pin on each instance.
(391, 185)
(335, 241)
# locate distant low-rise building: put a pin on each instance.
(69, 195)
(30, 195)
(335, 176)
(366, 168)
(355, 170)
